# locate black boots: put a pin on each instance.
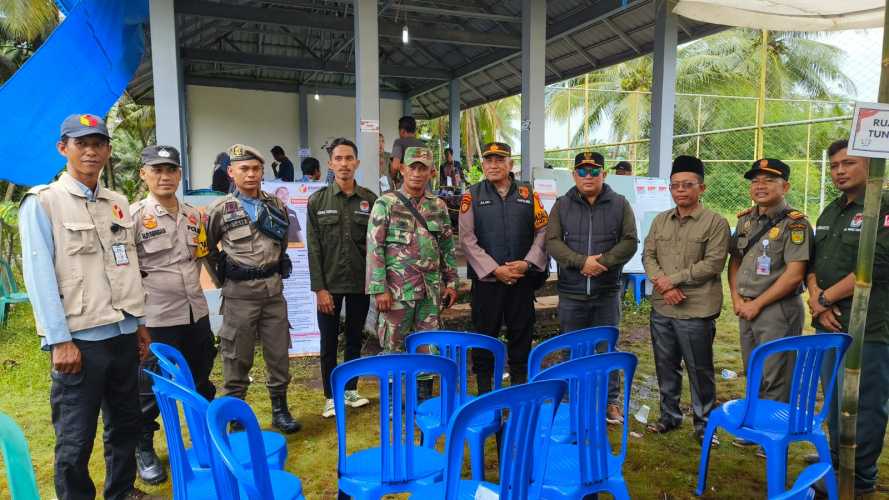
(281, 417)
(150, 468)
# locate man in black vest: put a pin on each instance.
(591, 234)
(502, 229)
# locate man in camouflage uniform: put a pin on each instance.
(411, 263)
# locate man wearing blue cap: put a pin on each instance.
(82, 272)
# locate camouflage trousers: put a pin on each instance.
(404, 318)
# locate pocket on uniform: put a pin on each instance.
(69, 379)
(241, 239)
(124, 232)
(71, 293)
(398, 237)
(81, 238)
(157, 244)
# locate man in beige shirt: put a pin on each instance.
(684, 255)
(171, 242)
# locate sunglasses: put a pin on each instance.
(588, 171)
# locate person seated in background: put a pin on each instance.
(221, 181)
(623, 168)
(282, 166)
(311, 169)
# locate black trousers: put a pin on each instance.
(689, 340)
(195, 342)
(329, 324)
(495, 304)
(108, 380)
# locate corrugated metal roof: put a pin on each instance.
(283, 44)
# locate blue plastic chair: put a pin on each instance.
(803, 487)
(521, 465)
(173, 366)
(399, 464)
(258, 481)
(637, 281)
(579, 344)
(19, 471)
(588, 466)
(774, 424)
(455, 346)
(9, 290)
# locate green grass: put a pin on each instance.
(657, 466)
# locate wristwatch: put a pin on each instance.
(823, 300)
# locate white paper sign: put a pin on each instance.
(870, 130)
(370, 125)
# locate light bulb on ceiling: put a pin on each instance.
(404, 35)
(317, 97)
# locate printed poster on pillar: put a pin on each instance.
(305, 337)
(870, 130)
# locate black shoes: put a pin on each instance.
(281, 417)
(148, 464)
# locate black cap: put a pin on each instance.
(769, 166)
(589, 158)
(623, 166)
(496, 148)
(160, 155)
(686, 163)
(83, 125)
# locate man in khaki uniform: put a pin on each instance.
(684, 255)
(171, 242)
(250, 226)
(769, 254)
(80, 266)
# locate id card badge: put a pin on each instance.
(764, 262)
(120, 254)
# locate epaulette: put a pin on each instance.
(742, 213)
(136, 206)
(796, 215)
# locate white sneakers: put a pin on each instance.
(352, 399)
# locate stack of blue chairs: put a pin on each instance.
(456, 346)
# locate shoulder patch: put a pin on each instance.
(465, 203)
(742, 213)
(796, 215)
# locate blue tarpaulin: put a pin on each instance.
(83, 67)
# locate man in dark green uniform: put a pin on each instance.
(831, 282)
(337, 232)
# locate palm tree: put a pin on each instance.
(798, 65)
(28, 20)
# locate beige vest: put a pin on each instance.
(96, 287)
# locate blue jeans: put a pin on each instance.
(603, 311)
(873, 410)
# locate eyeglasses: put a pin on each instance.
(588, 171)
(676, 186)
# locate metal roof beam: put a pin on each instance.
(580, 50)
(461, 13)
(279, 86)
(623, 36)
(293, 17)
(299, 64)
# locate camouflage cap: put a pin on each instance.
(418, 155)
(241, 152)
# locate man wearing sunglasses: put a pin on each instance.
(684, 255)
(591, 234)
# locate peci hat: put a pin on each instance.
(685, 163)
(241, 152)
(769, 166)
(83, 125)
(161, 155)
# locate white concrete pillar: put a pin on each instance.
(454, 117)
(533, 84)
(367, 92)
(663, 92)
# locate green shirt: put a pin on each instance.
(337, 238)
(836, 252)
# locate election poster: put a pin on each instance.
(305, 338)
